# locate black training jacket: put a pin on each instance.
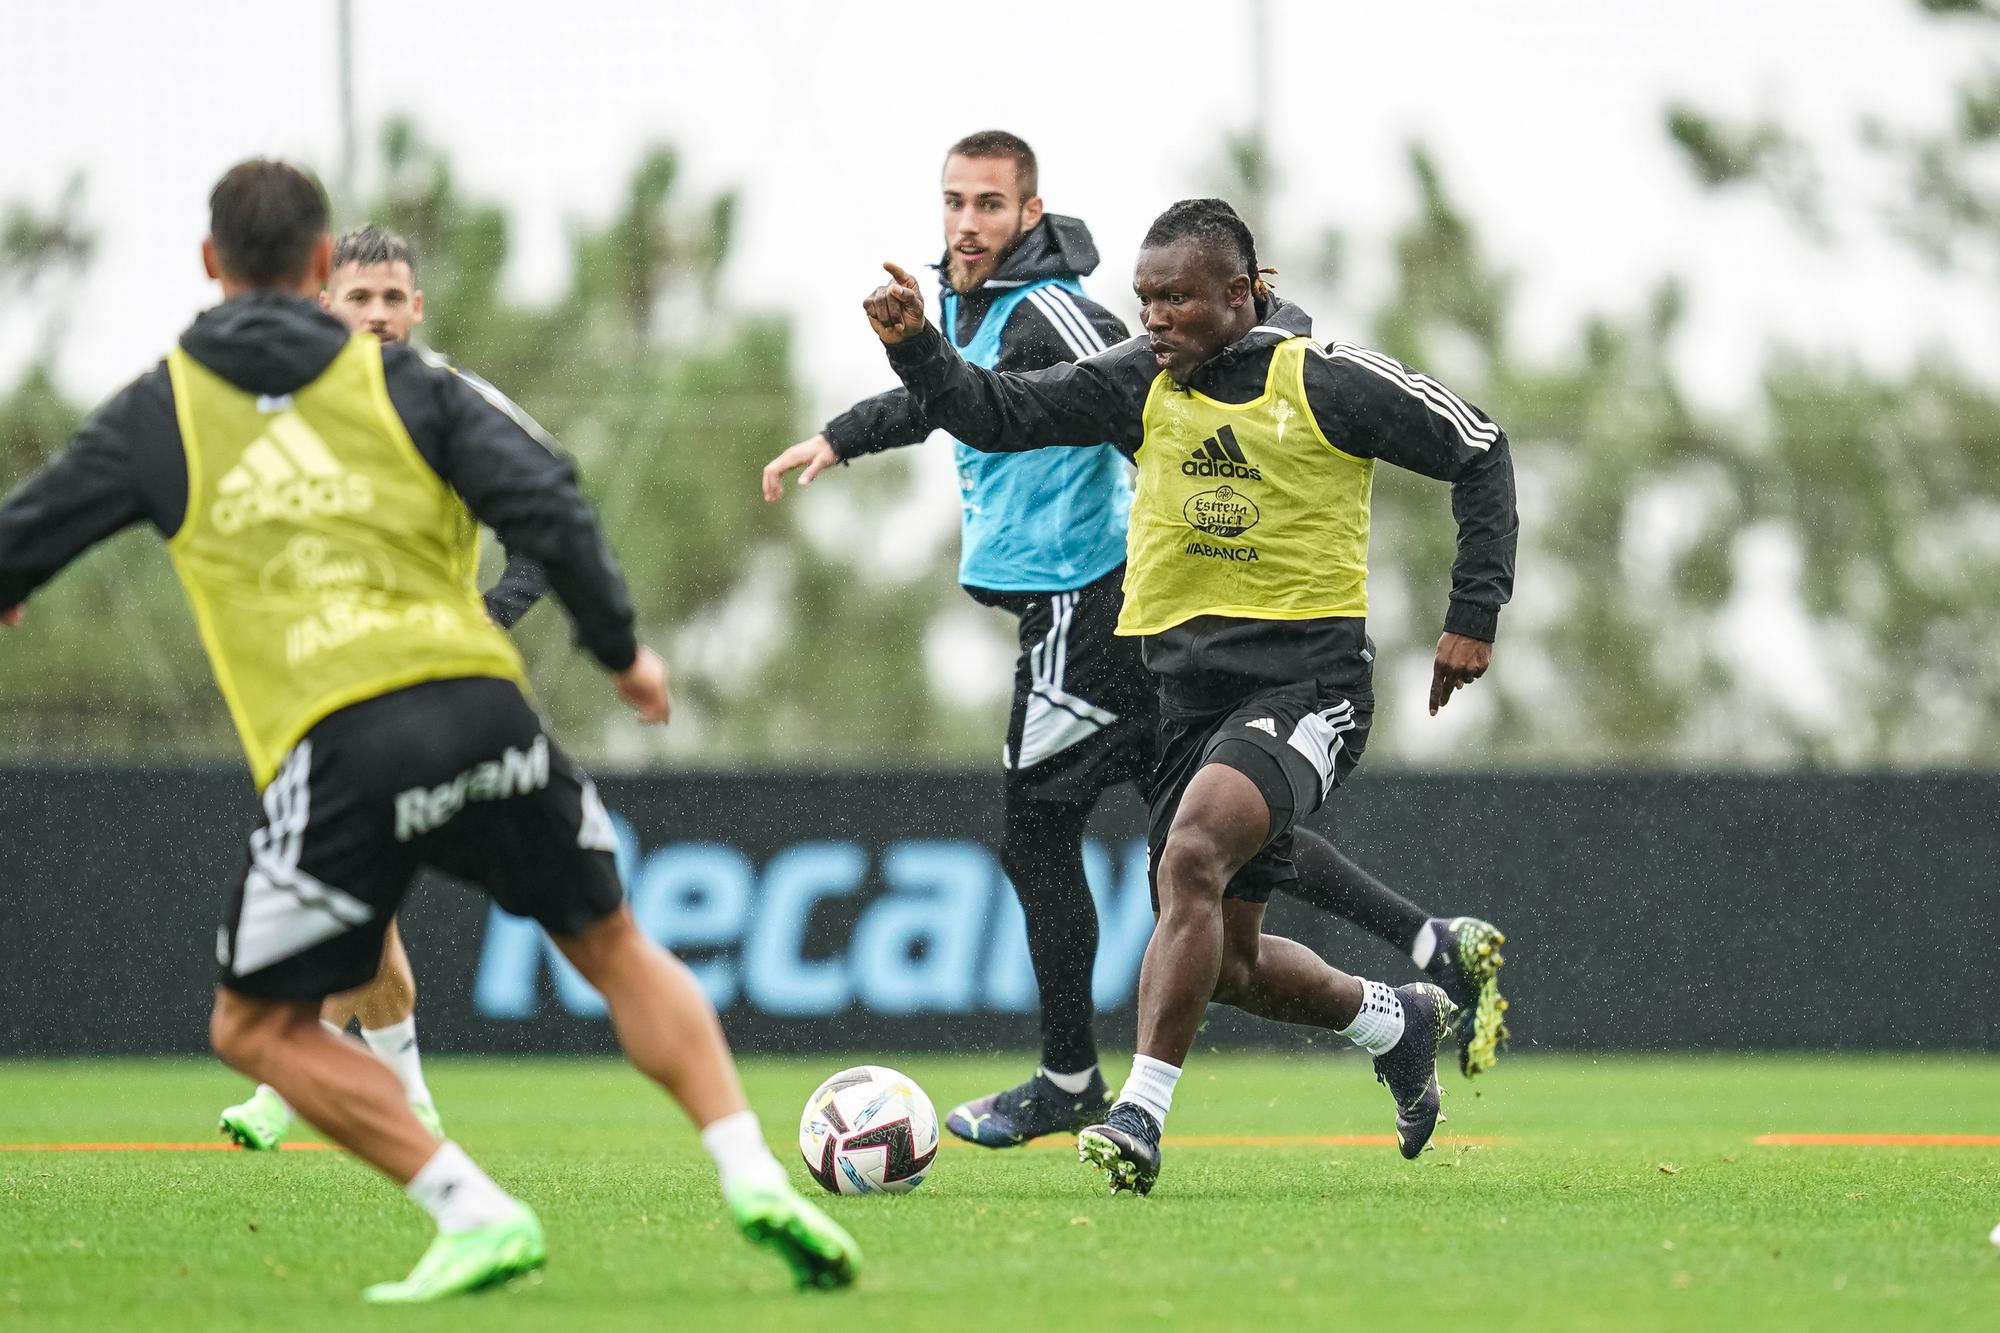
(126, 464)
(1375, 406)
(1056, 247)
(522, 583)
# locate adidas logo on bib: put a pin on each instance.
(288, 473)
(1220, 456)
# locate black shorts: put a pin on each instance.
(1085, 710)
(1296, 742)
(456, 774)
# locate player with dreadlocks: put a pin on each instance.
(1246, 581)
(1043, 539)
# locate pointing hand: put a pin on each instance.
(896, 308)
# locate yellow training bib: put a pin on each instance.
(327, 563)
(1244, 510)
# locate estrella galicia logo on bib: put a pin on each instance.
(1222, 512)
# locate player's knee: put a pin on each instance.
(224, 1031)
(1194, 866)
(239, 1032)
(1043, 842)
(603, 943)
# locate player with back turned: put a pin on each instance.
(1246, 583)
(320, 494)
(373, 289)
(1044, 539)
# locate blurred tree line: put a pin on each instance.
(1652, 530)
(1653, 533)
(669, 399)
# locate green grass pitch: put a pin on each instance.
(1616, 1193)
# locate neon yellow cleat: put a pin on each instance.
(819, 1253)
(427, 1116)
(1467, 965)
(469, 1261)
(260, 1124)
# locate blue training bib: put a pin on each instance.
(1047, 520)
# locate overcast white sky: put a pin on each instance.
(831, 117)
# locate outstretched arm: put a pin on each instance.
(1093, 401)
(529, 496)
(1052, 327)
(889, 420)
(90, 491)
(1374, 406)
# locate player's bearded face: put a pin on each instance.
(984, 217)
(376, 298)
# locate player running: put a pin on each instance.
(318, 492)
(1246, 580)
(1043, 538)
(373, 287)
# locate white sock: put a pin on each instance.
(1151, 1087)
(736, 1142)
(1379, 1025)
(1425, 945)
(396, 1047)
(263, 1088)
(1071, 1083)
(455, 1192)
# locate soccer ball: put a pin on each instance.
(868, 1130)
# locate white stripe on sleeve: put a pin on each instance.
(1474, 433)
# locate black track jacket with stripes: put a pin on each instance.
(126, 465)
(1374, 405)
(1056, 247)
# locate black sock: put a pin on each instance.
(1043, 854)
(1332, 883)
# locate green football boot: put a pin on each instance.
(470, 1261)
(259, 1124)
(816, 1249)
(427, 1116)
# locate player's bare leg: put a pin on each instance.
(1281, 979)
(386, 1010)
(670, 1033)
(385, 1007)
(485, 1235)
(389, 997)
(338, 1087)
(1207, 948)
(1221, 824)
(661, 1016)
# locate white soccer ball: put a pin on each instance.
(868, 1130)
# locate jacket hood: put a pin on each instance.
(1277, 320)
(266, 342)
(1057, 246)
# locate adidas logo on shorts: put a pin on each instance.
(1221, 456)
(287, 473)
(1267, 725)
